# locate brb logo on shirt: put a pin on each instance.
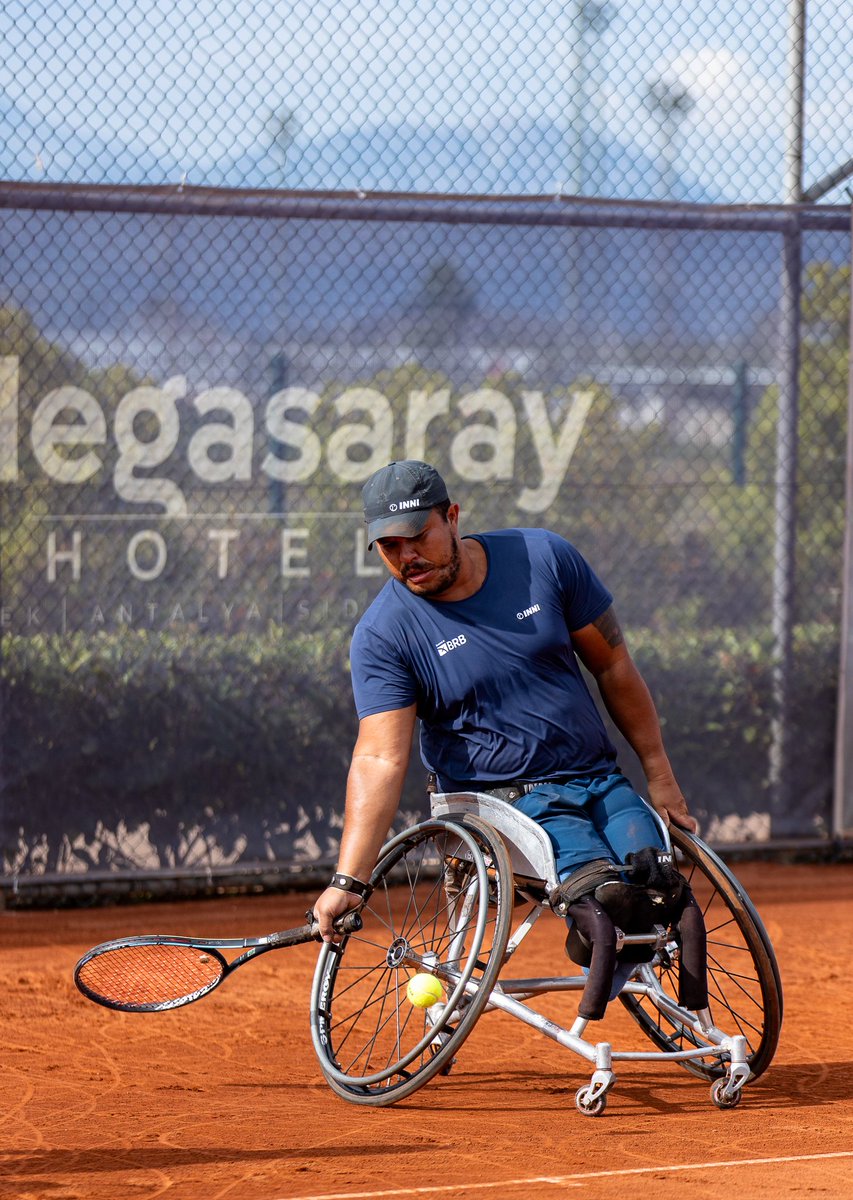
(453, 644)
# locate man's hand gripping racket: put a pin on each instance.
(155, 972)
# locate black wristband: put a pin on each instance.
(348, 883)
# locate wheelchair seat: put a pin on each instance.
(530, 851)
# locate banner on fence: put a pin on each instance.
(189, 406)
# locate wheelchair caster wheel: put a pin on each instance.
(589, 1105)
(720, 1098)
(435, 1049)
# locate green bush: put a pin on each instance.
(242, 742)
(205, 749)
(714, 691)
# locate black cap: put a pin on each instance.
(399, 498)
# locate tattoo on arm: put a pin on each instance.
(608, 627)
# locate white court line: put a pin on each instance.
(569, 1180)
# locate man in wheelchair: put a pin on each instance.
(482, 638)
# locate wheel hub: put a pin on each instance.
(398, 952)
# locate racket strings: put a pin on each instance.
(139, 977)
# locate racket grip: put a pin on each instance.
(350, 922)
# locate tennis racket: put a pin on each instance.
(156, 972)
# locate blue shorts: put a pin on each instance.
(596, 816)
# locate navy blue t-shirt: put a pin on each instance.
(498, 689)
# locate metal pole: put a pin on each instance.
(794, 107)
(785, 512)
(577, 97)
(278, 381)
(574, 186)
(740, 421)
(785, 529)
(842, 808)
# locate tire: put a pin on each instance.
(745, 990)
(588, 1107)
(719, 1098)
(441, 901)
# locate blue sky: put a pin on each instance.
(196, 83)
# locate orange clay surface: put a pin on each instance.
(224, 1098)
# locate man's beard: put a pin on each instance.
(442, 578)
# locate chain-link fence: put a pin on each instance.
(616, 98)
(194, 383)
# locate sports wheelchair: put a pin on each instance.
(454, 896)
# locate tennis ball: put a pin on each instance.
(424, 990)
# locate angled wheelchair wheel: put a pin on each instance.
(440, 906)
(745, 990)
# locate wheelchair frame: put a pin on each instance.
(442, 902)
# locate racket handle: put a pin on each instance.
(350, 922)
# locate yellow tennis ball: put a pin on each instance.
(424, 990)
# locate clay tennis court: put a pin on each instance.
(224, 1098)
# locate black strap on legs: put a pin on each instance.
(592, 943)
(592, 926)
(583, 880)
(654, 868)
(693, 963)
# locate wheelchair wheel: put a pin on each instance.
(441, 905)
(745, 991)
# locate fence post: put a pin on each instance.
(740, 422)
(842, 808)
(785, 530)
(785, 500)
(278, 382)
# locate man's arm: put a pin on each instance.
(602, 650)
(374, 785)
